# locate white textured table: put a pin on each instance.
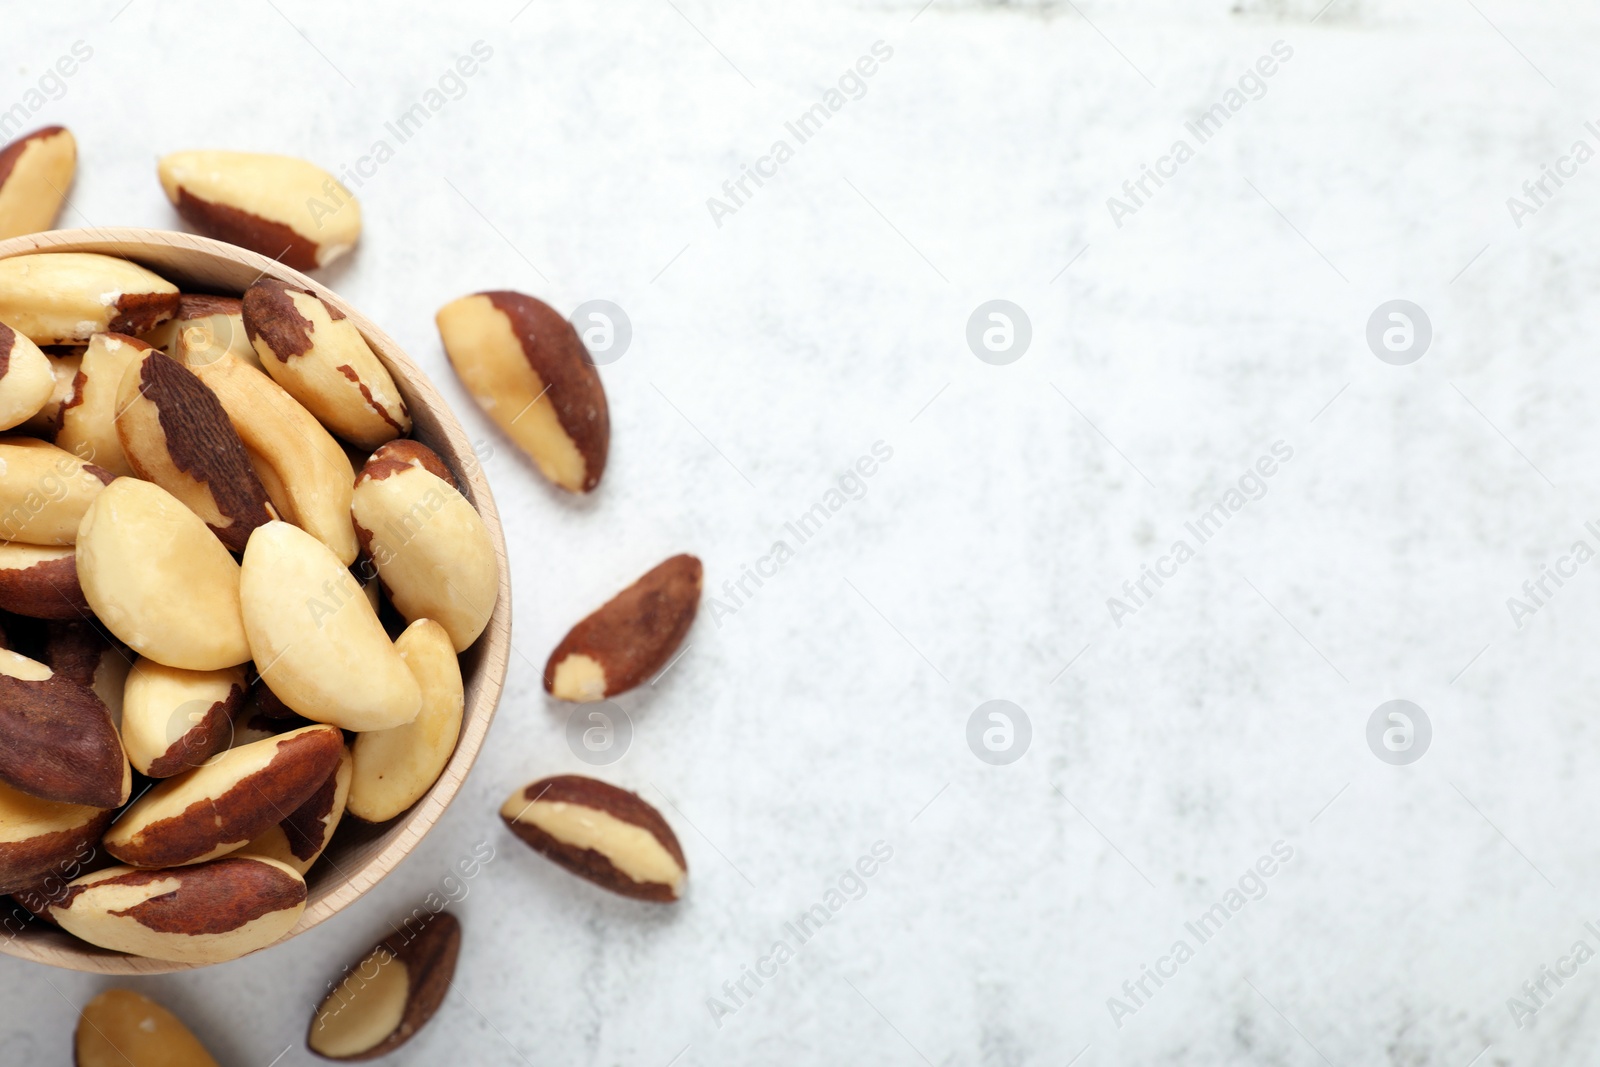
(781, 334)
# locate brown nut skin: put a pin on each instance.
(207, 913)
(527, 368)
(174, 432)
(221, 806)
(174, 720)
(59, 741)
(36, 170)
(120, 1028)
(39, 898)
(300, 840)
(280, 206)
(41, 837)
(404, 978)
(26, 378)
(631, 637)
(81, 651)
(659, 866)
(40, 581)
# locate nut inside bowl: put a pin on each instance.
(360, 854)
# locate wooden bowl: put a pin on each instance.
(360, 854)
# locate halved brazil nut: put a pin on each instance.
(432, 550)
(225, 803)
(173, 720)
(286, 208)
(159, 579)
(390, 994)
(395, 767)
(317, 355)
(44, 491)
(174, 432)
(597, 831)
(207, 913)
(315, 637)
(120, 1028)
(57, 740)
(40, 581)
(41, 837)
(87, 425)
(631, 637)
(67, 297)
(527, 368)
(302, 837)
(35, 173)
(26, 378)
(306, 474)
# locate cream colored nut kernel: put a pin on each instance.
(26, 378)
(226, 802)
(305, 472)
(159, 579)
(88, 425)
(60, 742)
(174, 432)
(67, 297)
(206, 913)
(390, 994)
(120, 1028)
(394, 768)
(319, 357)
(203, 328)
(286, 208)
(432, 550)
(36, 171)
(301, 838)
(527, 368)
(40, 581)
(318, 642)
(173, 720)
(39, 838)
(597, 831)
(44, 491)
(63, 387)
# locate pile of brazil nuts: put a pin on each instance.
(234, 591)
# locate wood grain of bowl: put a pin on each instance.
(360, 854)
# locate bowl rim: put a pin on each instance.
(43, 944)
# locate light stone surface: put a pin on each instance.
(829, 711)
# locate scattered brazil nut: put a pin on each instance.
(39, 837)
(40, 581)
(173, 719)
(319, 357)
(432, 550)
(299, 839)
(390, 994)
(67, 297)
(205, 913)
(120, 1028)
(600, 832)
(202, 329)
(395, 767)
(87, 423)
(527, 368)
(631, 637)
(226, 802)
(35, 173)
(44, 491)
(26, 378)
(159, 579)
(315, 637)
(306, 474)
(59, 741)
(279, 206)
(174, 432)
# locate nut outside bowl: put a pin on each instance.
(360, 854)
